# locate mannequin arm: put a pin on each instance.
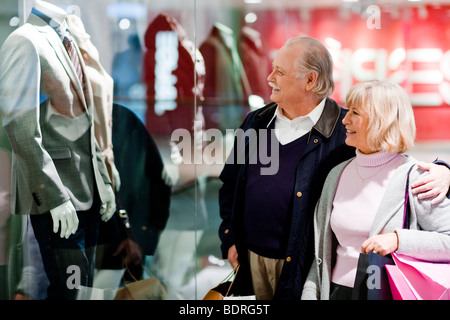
(67, 215)
(109, 207)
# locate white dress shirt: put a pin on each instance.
(287, 130)
(70, 128)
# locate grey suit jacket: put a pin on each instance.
(428, 237)
(47, 169)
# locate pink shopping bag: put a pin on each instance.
(400, 289)
(425, 280)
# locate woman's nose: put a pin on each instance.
(345, 121)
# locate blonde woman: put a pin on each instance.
(361, 206)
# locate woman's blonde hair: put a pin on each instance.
(391, 126)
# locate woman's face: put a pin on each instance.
(356, 121)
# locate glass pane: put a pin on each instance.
(185, 75)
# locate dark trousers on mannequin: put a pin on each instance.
(70, 262)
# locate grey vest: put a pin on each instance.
(72, 159)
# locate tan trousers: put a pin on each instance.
(265, 274)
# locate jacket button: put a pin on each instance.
(299, 194)
(226, 231)
(315, 140)
(288, 259)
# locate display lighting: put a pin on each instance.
(166, 61)
(255, 102)
(14, 22)
(124, 24)
(251, 17)
(333, 43)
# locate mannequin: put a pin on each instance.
(226, 84)
(52, 11)
(57, 167)
(102, 91)
(65, 215)
(118, 232)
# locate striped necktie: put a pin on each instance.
(66, 38)
(70, 44)
(70, 48)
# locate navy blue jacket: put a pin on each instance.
(325, 149)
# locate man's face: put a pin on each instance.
(287, 89)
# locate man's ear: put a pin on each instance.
(311, 80)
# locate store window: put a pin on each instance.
(185, 74)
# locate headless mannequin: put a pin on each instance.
(52, 11)
(57, 158)
(65, 214)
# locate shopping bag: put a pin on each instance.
(223, 288)
(230, 289)
(414, 279)
(146, 289)
(371, 281)
(400, 288)
(92, 293)
(424, 280)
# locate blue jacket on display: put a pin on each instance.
(324, 150)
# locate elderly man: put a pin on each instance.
(267, 218)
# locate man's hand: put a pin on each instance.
(233, 256)
(435, 184)
(133, 252)
(67, 216)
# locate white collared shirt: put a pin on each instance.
(289, 130)
(70, 128)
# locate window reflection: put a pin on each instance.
(171, 72)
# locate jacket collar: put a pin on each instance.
(266, 113)
(325, 126)
(55, 42)
(329, 118)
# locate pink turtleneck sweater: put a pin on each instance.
(358, 195)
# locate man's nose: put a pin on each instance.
(270, 76)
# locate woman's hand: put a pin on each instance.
(382, 244)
